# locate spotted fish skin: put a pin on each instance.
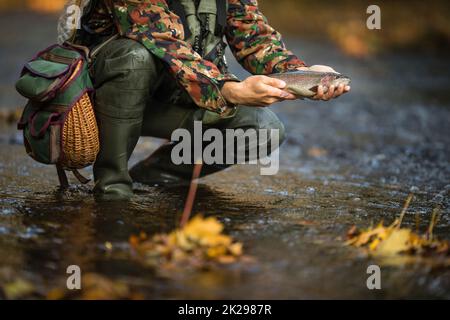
(304, 84)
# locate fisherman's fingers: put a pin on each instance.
(324, 93)
(330, 93)
(269, 101)
(272, 92)
(273, 82)
(340, 90)
(291, 97)
(319, 94)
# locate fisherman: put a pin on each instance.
(167, 69)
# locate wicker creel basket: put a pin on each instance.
(58, 122)
(80, 135)
(80, 139)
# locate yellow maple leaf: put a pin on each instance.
(398, 244)
(199, 227)
(215, 252)
(236, 249)
(201, 239)
(215, 240)
(18, 288)
(365, 237)
(179, 239)
(398, 241)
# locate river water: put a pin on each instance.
(350, 161)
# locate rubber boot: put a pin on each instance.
(118, 139)
(125, 75)
(158, 168)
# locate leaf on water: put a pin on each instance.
(393, 241)
(108, 246)
(368, 237)
(396, 242)
(56, 294)
(18, 289)
(305, 223)
(96, 287)
(200, 226)
(236, 249)
(200, 241)
(316, 152)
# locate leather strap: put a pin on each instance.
(59, 59)
(80, 177)
(221, 21)
(97, 49)
(63, 181)
(62, 177)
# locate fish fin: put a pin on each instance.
(314, 89)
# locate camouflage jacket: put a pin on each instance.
(254, 43)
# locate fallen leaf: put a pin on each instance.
(392, 241)
(199, 227)
(200, 241)
(56, 294)
(236, 249)
(316, 152)
(98, 287)
(305, 223)
(226, 259)
(18, 289)
(396, 242)
(108, 246)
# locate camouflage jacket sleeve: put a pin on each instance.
(254, 43)
(161, 32)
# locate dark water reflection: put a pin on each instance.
(294, 229)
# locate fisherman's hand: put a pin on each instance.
(257, 91)
(332, 91)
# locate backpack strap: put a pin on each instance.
(95, 50)
(222, 13)
(176, 7)
(221, 22)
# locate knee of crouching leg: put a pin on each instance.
(268, 120)
(140, 57)
(127, 54)
(130, 63)
(279, 126)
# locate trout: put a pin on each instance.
(304, 84)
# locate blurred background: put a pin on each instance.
(349, 161)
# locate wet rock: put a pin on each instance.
(310, 190)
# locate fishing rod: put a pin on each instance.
(189, 204)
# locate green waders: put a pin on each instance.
(136, 96)
(124, 72)
(161, 120)
(133, 99)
